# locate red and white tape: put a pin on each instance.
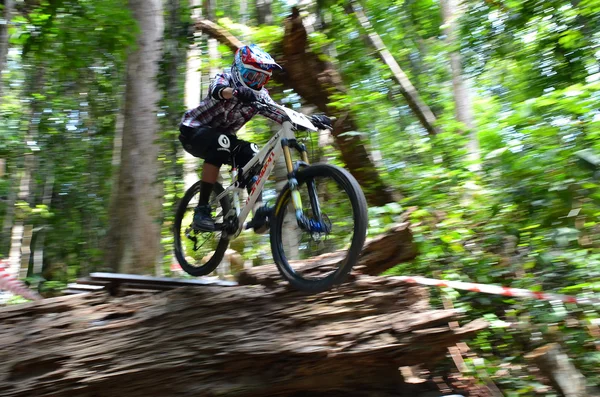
(498, 290)
(11, 284)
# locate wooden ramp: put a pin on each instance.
(126, 284)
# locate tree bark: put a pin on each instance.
(174, 55)
(208, 9)
(192, 95)
(21, 232)
(6, 16)
(40, 236)
(317, 87)
(264, 16)
(9, 215)
(244, 12)
(133, 242)
(350, 341)
(421, 110)
(561, 372)
(20, 236)
(451, 11)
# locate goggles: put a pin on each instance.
(254, 78)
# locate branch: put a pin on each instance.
(215, 31)
(421, 110)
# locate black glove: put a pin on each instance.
(321, 121)
(245, 94)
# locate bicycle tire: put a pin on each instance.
(223, 243)
(360, 219)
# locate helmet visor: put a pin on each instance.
(254, 78)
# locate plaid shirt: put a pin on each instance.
(226, 114)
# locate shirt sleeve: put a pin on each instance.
(217, 86)
(271, 113)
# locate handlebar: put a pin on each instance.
(261, 104)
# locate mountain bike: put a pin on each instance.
(321, 209)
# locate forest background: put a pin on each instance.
(477, 121)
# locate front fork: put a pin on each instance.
(313, 225)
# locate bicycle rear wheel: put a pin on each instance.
(315, 260)
(199, 253)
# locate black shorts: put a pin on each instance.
(216, 146)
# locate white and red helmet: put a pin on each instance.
(252, 67)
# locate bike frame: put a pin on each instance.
(273, 149)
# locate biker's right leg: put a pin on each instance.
(214, 147)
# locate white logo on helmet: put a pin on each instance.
(254, 147)
(224, 141)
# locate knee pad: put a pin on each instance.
(217, 158)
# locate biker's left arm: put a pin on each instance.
(272, 113)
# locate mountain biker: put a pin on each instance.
(209, 130)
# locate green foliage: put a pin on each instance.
(529, 218)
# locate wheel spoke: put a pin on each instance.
(199, 253)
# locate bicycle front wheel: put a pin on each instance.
(320, 254)
(199, 253)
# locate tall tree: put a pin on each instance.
(192, 93)
(209, 9)
(8, 216)
(133, 241)
(22, 228)
(20, 236)
(318, 81)
(5, 17)
(264, 15)
(463, 108)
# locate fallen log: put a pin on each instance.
(379, 254)
(234, 341)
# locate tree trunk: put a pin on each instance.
(133, 241)
(244, 12)
(208, 9)
(350, 341)
(38, 250)
(451, 11)
(192, 96)
(6, 16)
(174, 56)
(9, 215)
(21, 232)
(20, 238)
(316, 88)
(561, 372)
(264, 15)
(14, 254)
(421, 110)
